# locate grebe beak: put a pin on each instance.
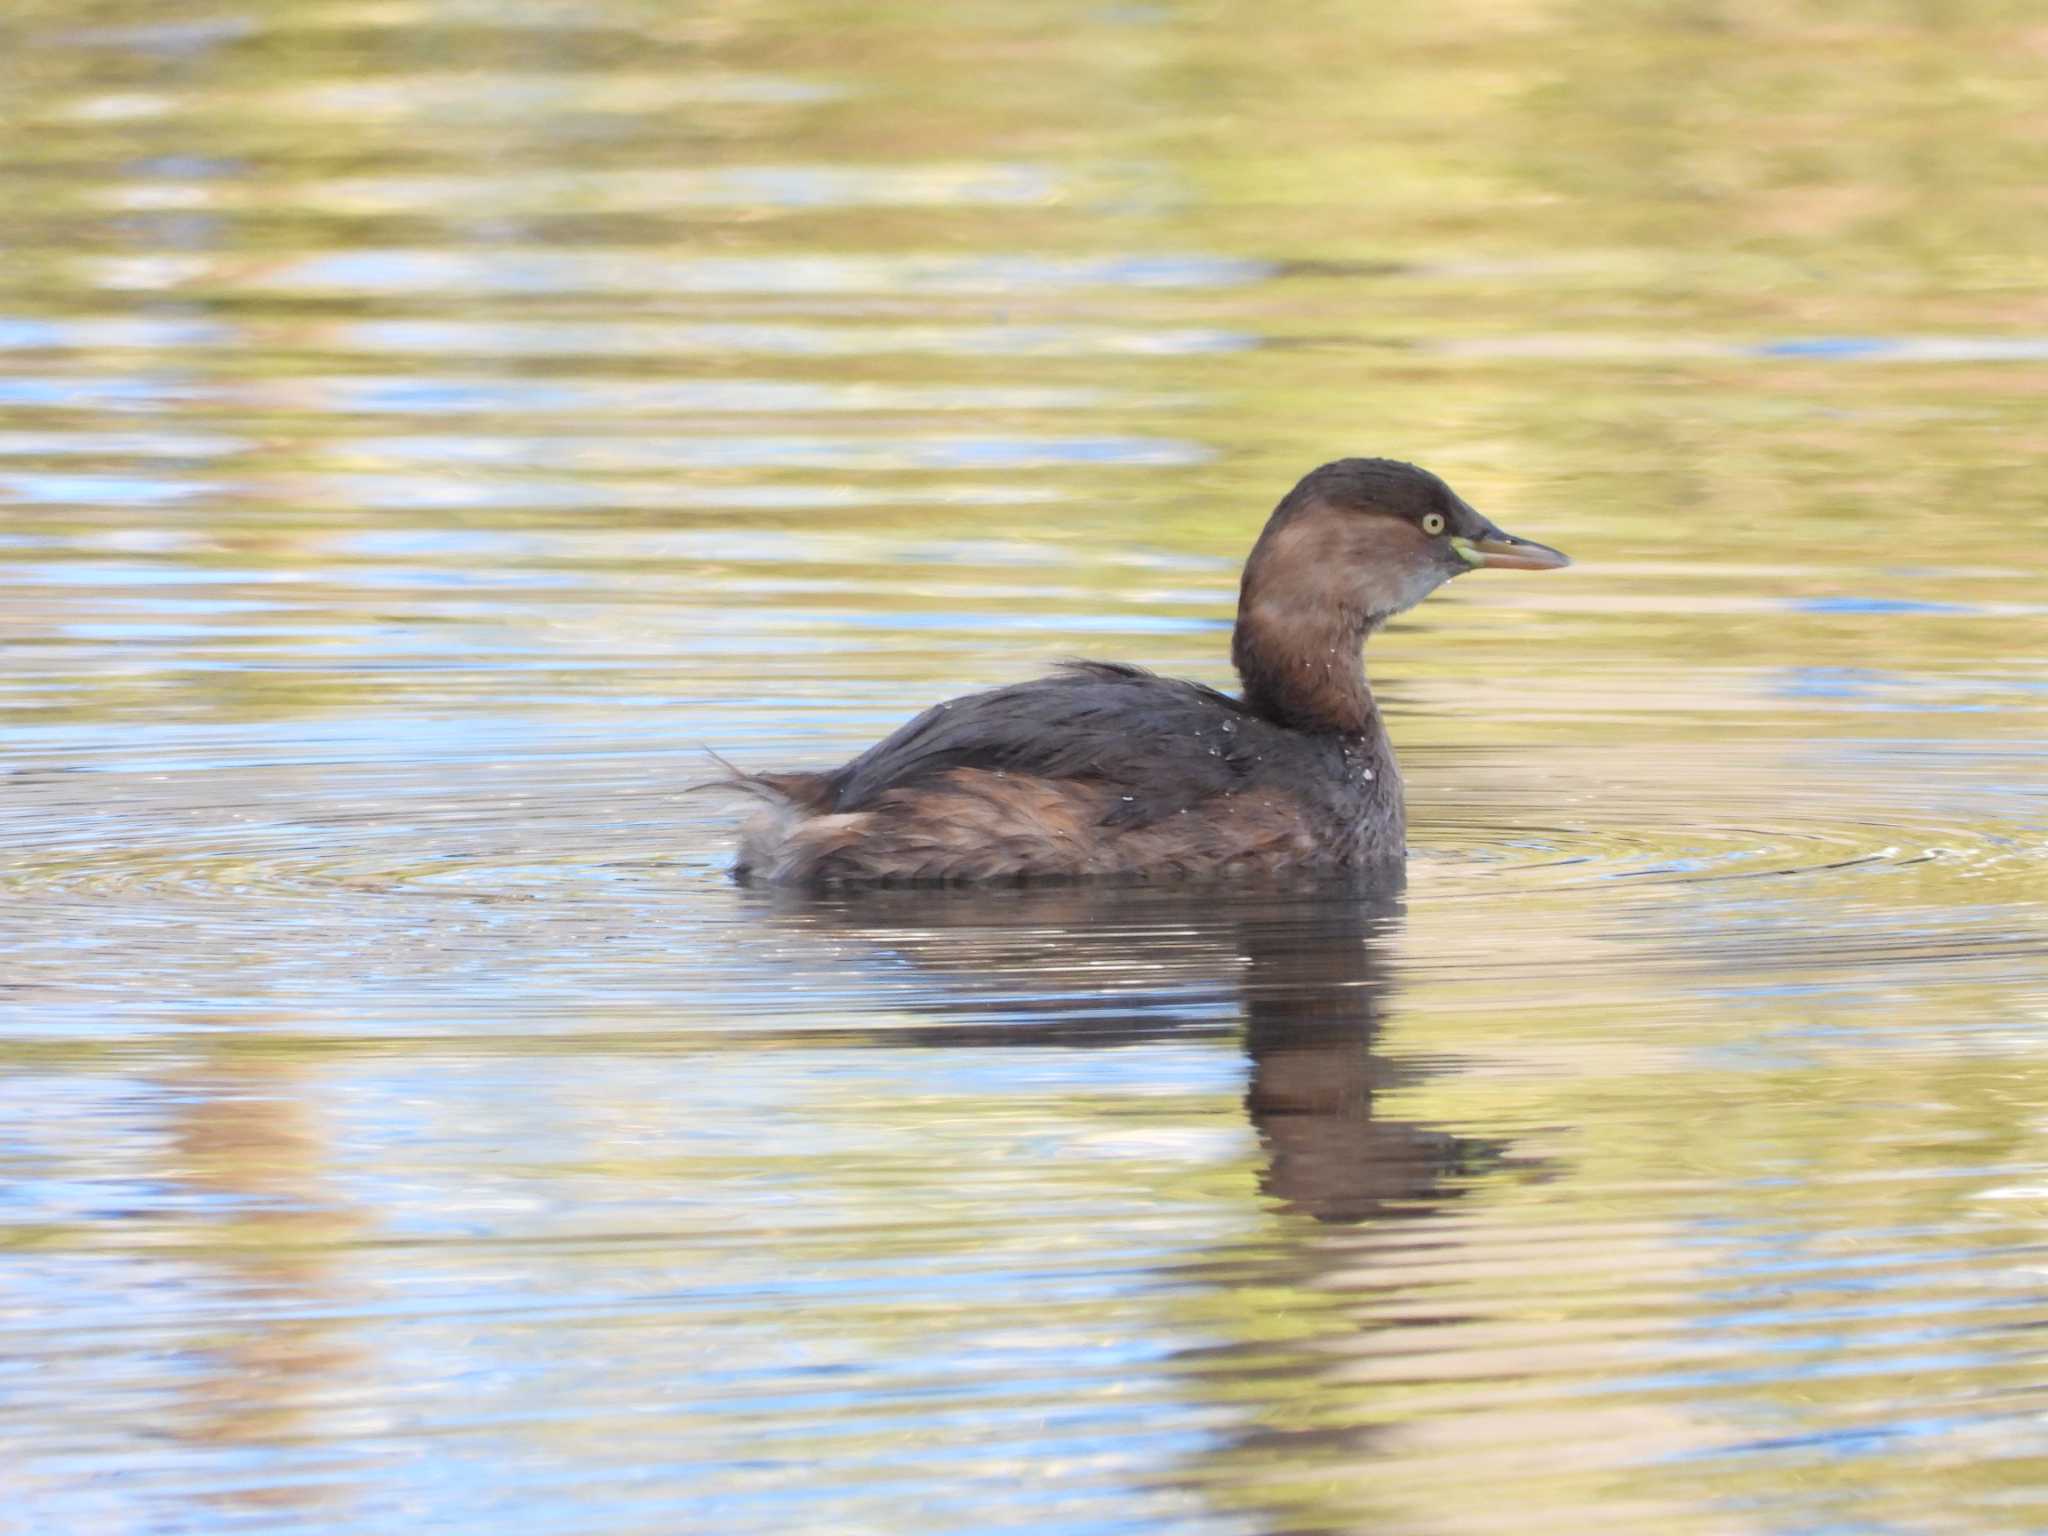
(1495, 548)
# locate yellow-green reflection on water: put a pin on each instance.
(425, 425)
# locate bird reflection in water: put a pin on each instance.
(1301, 972)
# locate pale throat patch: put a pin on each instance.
(1410, 587)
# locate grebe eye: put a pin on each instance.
(1432, 522)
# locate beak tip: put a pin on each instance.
(1509, 553)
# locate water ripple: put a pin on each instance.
(428, 425)
(512, 271)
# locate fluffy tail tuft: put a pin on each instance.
(808, 792)
(789, 802)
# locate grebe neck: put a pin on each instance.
(1305, 670)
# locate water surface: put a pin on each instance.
(426, 427)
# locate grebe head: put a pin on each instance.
(1370, 538)
(1353, 544)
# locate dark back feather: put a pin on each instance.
(1159, 744)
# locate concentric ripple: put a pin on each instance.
(1756, 812)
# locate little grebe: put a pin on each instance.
(1107, 770)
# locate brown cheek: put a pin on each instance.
(1309, 564)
